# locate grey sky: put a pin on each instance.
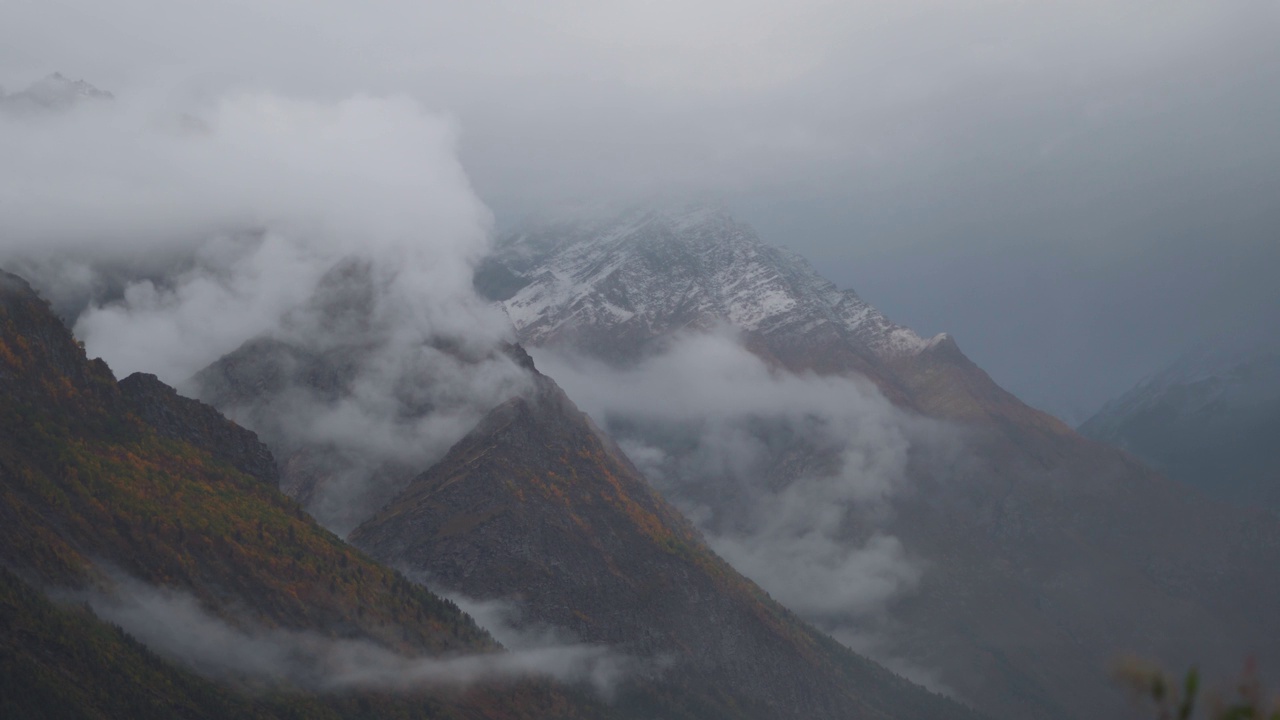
(1074, 189)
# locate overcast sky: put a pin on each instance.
(1076, 190)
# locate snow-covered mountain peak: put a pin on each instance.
(648, 272)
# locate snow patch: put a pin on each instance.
(719, 271)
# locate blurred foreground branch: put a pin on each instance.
(1183, 699)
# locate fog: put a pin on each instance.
(175, 625)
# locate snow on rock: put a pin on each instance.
(650, 272)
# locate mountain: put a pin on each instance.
(52, 93)
(161, 515)
(1209, 420)
(614, 287)
(535, 507)
(43, 644)
(1039, 556)
(537, 500)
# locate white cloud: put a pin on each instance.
(787, 475)
(175, 238)
(175, 625)
(934, 153)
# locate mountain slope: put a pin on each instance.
(1208, 420)
(44, 645)
(536, 498)
(1044, 555)
(94, 496)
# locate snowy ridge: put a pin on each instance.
(648, 272)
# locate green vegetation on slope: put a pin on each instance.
(63, 662)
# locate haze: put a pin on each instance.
(1077, 191)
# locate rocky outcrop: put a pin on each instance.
(191, 421)
(37, 354)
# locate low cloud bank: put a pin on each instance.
(175, 625)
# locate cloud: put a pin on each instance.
(243, 214)
(790, 477)
(171, 234)
(175, 625)
(637, 96)
(1074, 190)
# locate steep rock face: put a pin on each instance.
(1046, 555)
(90, 491)
(1210, 420)
(537, 502)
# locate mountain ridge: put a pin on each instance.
(1207, 420)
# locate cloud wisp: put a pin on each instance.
(790, 477)
(175, 625)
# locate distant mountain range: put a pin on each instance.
(1210, 420)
